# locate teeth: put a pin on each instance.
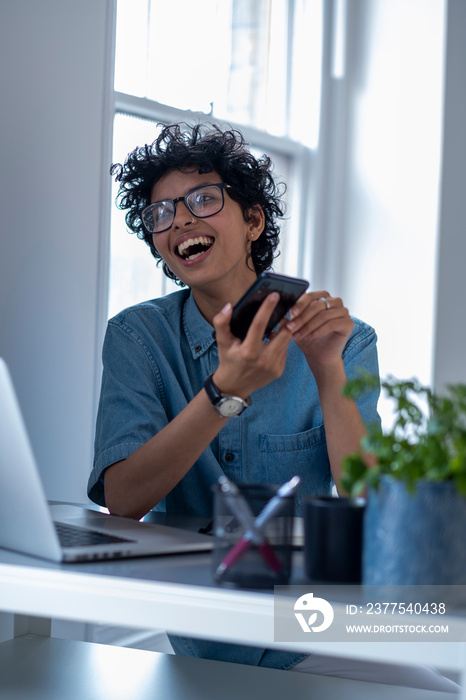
(203, 240)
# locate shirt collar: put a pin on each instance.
(199, 332)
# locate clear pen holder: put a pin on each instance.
(241, 559)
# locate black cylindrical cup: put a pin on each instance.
(333, 539)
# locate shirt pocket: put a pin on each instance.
(304, 454)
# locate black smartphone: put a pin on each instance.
(289, 288)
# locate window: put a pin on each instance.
(224, 61)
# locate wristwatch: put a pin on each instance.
(227, 406)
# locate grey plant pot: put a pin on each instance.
(414, 538)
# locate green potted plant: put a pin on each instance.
(415, 520)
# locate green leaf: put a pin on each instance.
(427, 439)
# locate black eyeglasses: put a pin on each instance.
(202, 202)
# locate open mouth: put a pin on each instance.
(192, 248)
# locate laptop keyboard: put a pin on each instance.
(74, 536)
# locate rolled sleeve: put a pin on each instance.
(360, 356)
(131, 406)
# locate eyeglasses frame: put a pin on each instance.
(220, 185)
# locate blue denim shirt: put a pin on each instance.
(156, 356)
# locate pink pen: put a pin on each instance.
(241, 547)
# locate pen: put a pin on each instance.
(269, 510)
(242, 512)
(274, 505)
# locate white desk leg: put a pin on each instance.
(27, 624)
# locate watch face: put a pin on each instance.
(230, 406)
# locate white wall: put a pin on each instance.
(55, 80)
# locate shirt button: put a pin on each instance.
(198, 348)
(229, 457)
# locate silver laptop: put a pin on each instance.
(65, 532)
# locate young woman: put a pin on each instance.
(209, 212)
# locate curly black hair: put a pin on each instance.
(207, 148)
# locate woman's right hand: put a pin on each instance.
(247, 365)
(133, 486)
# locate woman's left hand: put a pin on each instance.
(320, 326)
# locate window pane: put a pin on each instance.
(134, 275)
(189, 54)
(306, 72)
(286, 261)
(131, 47)
(227, 58)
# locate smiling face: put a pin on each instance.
(207, 254)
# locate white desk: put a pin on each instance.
(176, 593)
